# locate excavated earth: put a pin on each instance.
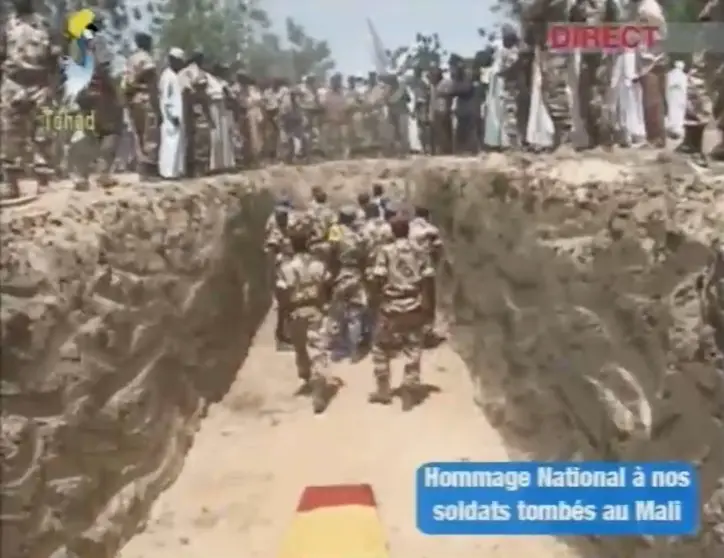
(585, 296)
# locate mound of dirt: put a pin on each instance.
(589, 287)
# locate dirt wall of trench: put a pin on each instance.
(587, 297)
(582, 293)
(123, 315)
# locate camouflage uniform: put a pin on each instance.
(427, 237)
(554, 70)
(302, 283)
(196, 106)
(376, 233)
(374, 116)
(707, 69)
(336, 124)
(401, 268)
(349, 299)
(271, 102)
(319, 219)
(278, 247)
(509, 70)
(141, 89)
(595, 79)
(311, 106)
(398, 119)
(293, 139)
(102, 99)
(28, 66)
(353, 101)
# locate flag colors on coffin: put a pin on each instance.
(336, 521)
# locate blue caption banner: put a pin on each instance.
(540, 498)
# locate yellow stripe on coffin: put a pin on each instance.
(336, 521)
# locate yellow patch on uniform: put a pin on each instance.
(334, 234)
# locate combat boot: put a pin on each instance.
(717, 154)
(686, 146)
(383, 395)
(409, 396)
(320, 395)
(12, 176)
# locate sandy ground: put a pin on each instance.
(261, 446)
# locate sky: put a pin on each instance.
(343, 24)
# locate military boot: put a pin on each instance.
(717, 154)
(12, 176)
(383, 394)
(687, 144)
(698, 156)
(409, 396)
(320, 394)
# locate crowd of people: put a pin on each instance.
(194, 117)
(359, 279)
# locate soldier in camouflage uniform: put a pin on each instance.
(279, 249)
(142, 100)
(402, 272)
(293, 137)
(271, 104)
(427, 237)
(363, 200)
(302, 288)
(700, 106)
(319, 218)
(28, 65)
(510, 72)
(102, 99)
(311, 105)
(374, 114)
(398, 115)
(353, 100)
(197, 107)
(554, 67)
(336, 121)
(376, 233)
(349, 300)
(421, 108)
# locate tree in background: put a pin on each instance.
(235, 32)
(426, 52)
(239, 32)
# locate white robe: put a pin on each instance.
(628, 98)
(540, 131)
(495, 116)
(676, 89)
(172, 151)
(222, 147)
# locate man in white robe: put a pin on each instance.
(172, 151)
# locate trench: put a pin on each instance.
(147, 412)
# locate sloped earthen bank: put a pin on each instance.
(123, 315)
(588, 297)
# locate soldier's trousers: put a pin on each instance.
(307, 329)
(143, 117)
(335, 139)
(346, 313)
(441, 135)
(25, 137)
(401, 333)
(91, 151)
